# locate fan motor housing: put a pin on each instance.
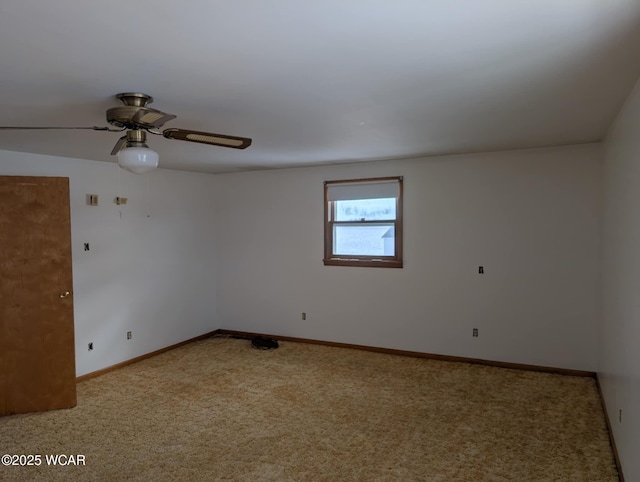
(135, 114)
(123, 116)
(134, 117)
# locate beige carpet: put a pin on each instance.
(219, 410)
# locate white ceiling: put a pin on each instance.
(315, 82)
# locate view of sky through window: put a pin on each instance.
(369, 209)
(365, 239)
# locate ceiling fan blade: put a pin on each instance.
(207, 138)
(94, 128)
(122, 142)
(151, 118)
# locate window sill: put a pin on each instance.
(363, 263)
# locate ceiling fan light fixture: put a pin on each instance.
(138, 159)
(137, 119)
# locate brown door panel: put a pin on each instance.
(37, 349)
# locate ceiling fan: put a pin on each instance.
(137, 119)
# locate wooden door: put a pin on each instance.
(37, 351)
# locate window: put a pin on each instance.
(363, 222)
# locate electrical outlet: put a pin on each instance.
(86, 246)
(475, 332)
(304, 315)
(90, 346)
(129, 335)
(480, 269)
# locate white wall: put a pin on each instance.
(532, 218)
(619, 367)
(151, 266)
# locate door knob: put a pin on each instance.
(64, 294)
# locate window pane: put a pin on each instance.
(376, 240)
(367, 209)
